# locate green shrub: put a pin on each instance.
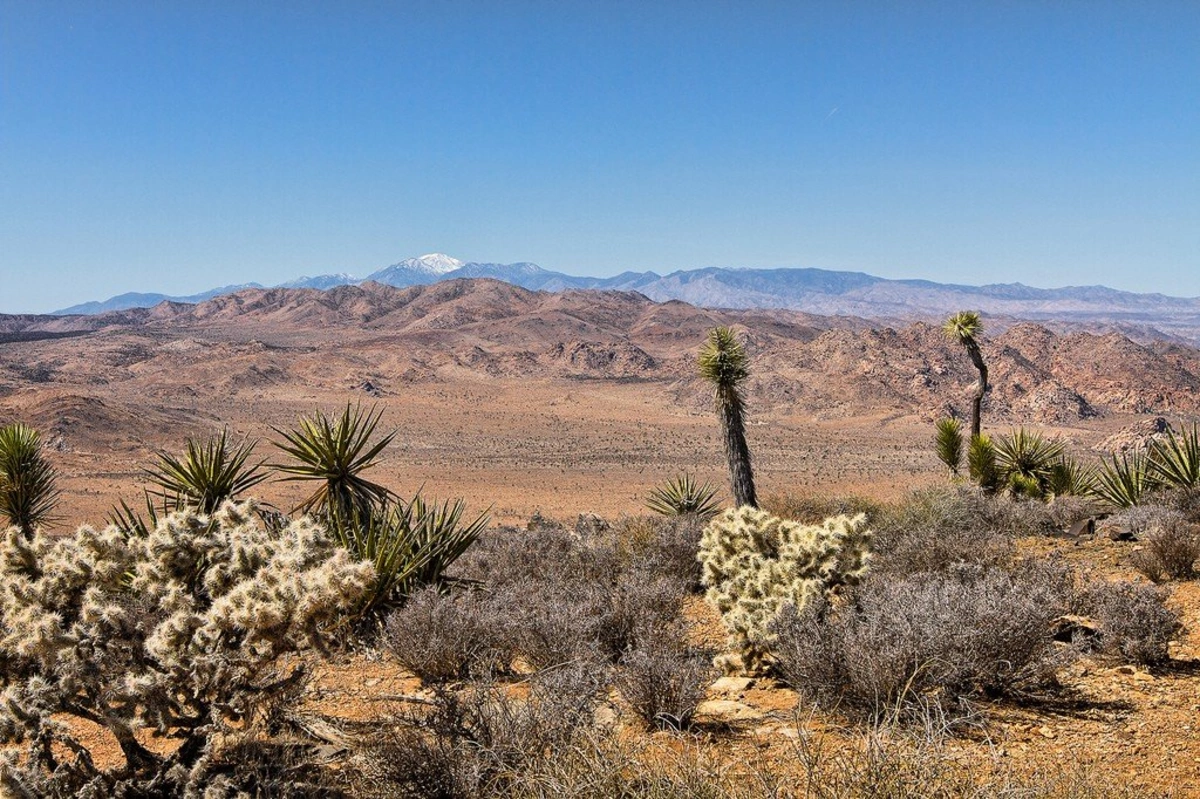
(755, 563)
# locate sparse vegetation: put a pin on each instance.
(1124, 480)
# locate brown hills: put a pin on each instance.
(563, 402)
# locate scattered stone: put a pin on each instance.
(731, 686)
(1083, 527)
(1136, 437)
(1071, 628)
(368, 387)
(1045, 732)
(727, 710)
(1122, 534)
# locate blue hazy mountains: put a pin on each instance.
(818, 291)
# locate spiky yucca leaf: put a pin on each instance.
(1070, 478)
(1175, 461)
(948, 441)
(334, 452)
(131, 522)
(981, 462)
(207, 474)
(28, 485)
(1123, 480)
(963, 326)
(682, 495)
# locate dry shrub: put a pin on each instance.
(1135, 622)
(1170, 545)
(936, 529)
(664, 681)
(477, 742)
(663, 544)
(441, 637)
(928, 639)
(814, 508)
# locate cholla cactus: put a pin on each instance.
(179, 632)
(755, 563)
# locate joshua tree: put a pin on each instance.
(963, 327)
(723, 363)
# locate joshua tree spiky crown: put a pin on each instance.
(723, 362)
(965, 328)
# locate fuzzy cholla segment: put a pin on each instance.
(180, 630)
(755, 563)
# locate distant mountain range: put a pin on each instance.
(817, 291)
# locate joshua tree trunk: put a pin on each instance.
(733, 427)
(981, 387)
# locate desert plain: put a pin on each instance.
(556, 405)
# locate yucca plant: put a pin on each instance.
(948, 442)
(1070, 478)
(1026, 460)
(410, 544)
(28, 484)
(335, 451)
(1124, 480)
(981, 463)
(682, 495)
(209, 473)
(1175, 461)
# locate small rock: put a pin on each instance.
(1070, 628)
(1118, 534)
(1045, 732)
(605, 716)
(731, 686)
(727, 710)
(1083, 527)
(1124, 670)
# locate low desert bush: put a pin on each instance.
(898, 644)
(180, 632)
(1168, 552)
(935, 529)
(815, 508)
(478, 742)
(1135, 622)
(441, 637)
(663, 680)
(665, 545)
(756, 563)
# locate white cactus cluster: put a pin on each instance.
(180, 631)
(755, 563)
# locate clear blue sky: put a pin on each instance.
(178, 146)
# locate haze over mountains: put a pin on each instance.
(818, 291)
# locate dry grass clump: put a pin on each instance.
(663, 680)
(937, 529)
(816, 508)
(441, 637)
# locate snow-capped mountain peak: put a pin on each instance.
(435, 262)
